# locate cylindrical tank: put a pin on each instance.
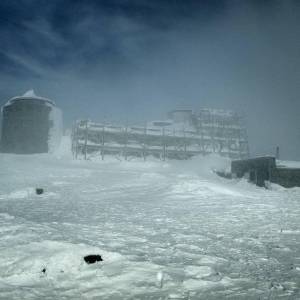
(30, 124)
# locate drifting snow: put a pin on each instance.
(55, 132)
(165, 230)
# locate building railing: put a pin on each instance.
(110, 139)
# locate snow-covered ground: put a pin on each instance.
(165, 230)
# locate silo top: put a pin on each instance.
(29, 95)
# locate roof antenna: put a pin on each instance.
(277, 153)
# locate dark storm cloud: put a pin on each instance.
(56, 33)
(134, 60)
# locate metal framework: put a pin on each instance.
(208, 131)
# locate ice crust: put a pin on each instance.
(208, 237)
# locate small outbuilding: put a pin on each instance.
(262, 169)
(30, 124)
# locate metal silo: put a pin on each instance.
(30, 124)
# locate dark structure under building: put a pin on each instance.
(265, 169)
(30, 124)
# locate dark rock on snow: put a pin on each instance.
(39, 191)
(91, 259)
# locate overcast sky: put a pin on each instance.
(135, 60)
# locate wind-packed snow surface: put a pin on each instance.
(165, 230)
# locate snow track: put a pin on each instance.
(210, 238)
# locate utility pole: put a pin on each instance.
(277, 153)
(73, 139)
(184, 138)
(125, 142)
(200, 128)
(145, 140)
(85, 139)
(164, 143)
(102, 143)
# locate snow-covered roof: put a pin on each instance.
(218, 112)
(29, 95)
(161, 123)
(288, 164)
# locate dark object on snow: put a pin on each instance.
(91, 259)
(44, 270)
(39, 191)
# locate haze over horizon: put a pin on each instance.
(135, 60)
